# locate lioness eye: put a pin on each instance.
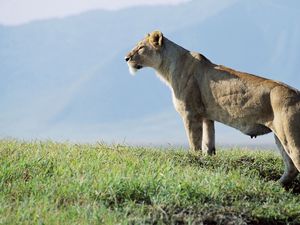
(141, 48)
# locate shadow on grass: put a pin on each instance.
(208, 215)
(268, 168)
(294, 187)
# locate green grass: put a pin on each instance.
(61, 183)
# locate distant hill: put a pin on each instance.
(66, 78)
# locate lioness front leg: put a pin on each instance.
(208, 137)
(193, 127)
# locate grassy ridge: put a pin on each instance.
(51, 183)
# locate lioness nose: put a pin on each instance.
(126, 58)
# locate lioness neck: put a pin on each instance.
(172, 56)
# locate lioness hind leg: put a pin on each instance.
(289, 131)
(290, 171)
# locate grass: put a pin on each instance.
(62, 183)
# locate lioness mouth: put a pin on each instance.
(138, 67)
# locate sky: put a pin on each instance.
(17, 12)
(75, 87)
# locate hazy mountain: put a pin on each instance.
(67, 79)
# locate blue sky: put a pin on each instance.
(58, 74)
(16, 12)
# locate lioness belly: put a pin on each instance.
(248, 126)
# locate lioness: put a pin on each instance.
(204, 92)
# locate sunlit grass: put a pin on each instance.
(62, 183)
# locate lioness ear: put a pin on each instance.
(156, 39)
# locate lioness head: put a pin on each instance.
(147, 53)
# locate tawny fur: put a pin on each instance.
(204, 92)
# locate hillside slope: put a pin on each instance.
(61, 183)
